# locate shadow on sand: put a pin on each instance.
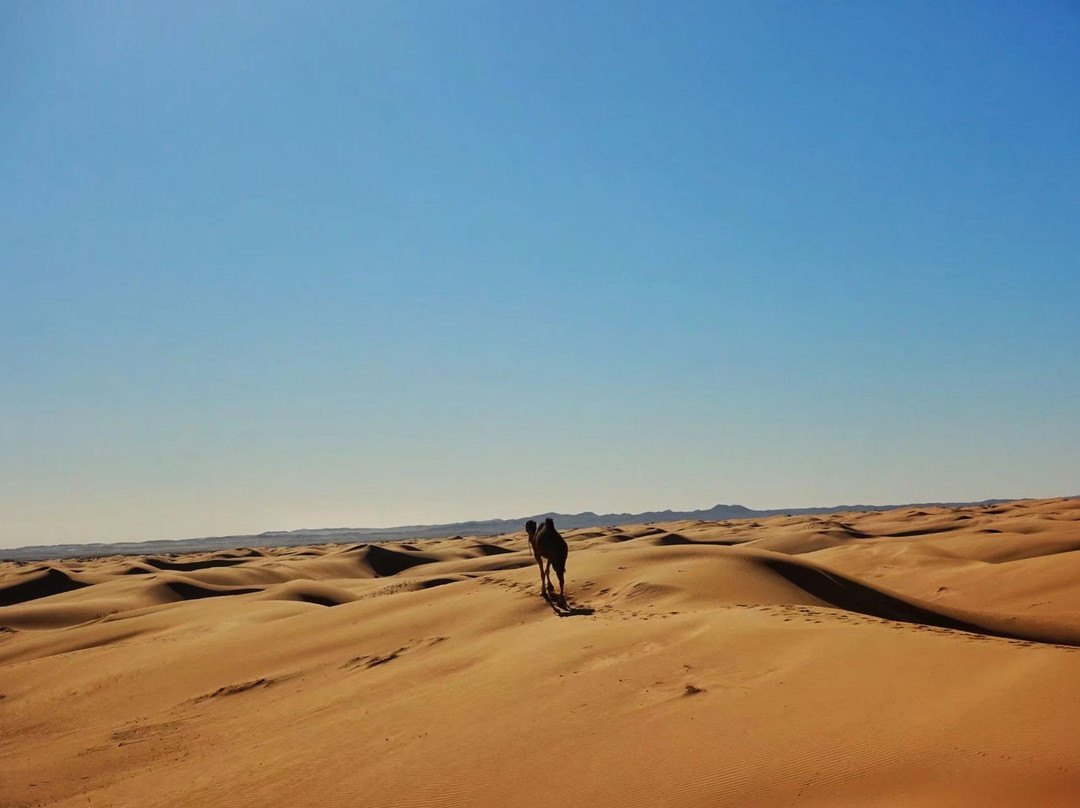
(562, 608)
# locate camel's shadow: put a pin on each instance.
(562, 608)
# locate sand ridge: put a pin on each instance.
(915, 656)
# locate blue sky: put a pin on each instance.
(280, 265)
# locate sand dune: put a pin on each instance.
(898, 658)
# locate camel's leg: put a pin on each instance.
(550, 591)
(560, 572)
(540, 564)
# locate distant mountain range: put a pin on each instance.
(486, 527)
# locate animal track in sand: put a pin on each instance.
(232, 690)
(374, 660)
(368, 661)
(145, 732)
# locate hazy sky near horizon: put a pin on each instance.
(280, 265)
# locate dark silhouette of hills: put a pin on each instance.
(483, 527)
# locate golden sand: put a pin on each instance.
(901, 658)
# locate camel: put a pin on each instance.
(547, 544)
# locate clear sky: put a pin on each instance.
(280, 265)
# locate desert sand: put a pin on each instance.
(899, 658)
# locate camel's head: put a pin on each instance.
(530, 528)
